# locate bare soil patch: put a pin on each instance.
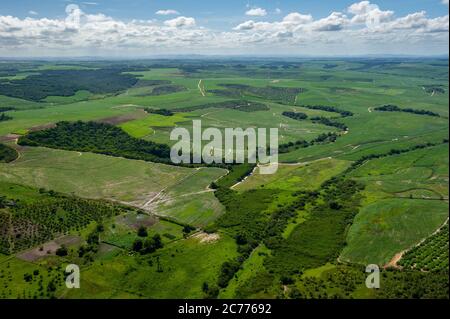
(205, 238)
(9, 138)
(42, 127)
(136, 221)
(115, 120)
(49, 248)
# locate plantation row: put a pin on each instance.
(431, 255)
(344, 281)
(323, 138)
(283, 95)
(366, 158)
(240, 105)
(27, 225)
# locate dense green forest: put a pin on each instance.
(7, 154)
(97, 138)
(67, 83)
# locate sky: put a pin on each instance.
(145, 28)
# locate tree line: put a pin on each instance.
(395, 108)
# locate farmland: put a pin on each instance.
(86, 178)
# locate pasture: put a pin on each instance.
(303, 232)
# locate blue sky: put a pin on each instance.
(231, 26)
(216, 13)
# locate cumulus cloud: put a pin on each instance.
(81, 33)
(368, 13)
(297, 18)
(167, 12)
(256, 12)
(180, 22)
(334, 22)
(247, 25)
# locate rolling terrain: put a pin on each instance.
(363, 179)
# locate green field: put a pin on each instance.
(341, 199)
(95, 176)
(306, 176)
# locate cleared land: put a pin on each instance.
(96, 176)
(277, 236)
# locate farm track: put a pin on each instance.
(148, 203)
(394, 261)
(157, 202)
(300, 164)
(201, 88)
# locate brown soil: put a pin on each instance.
(9, 138)
(42, 127)
(49, 248)
(393, 262)
(119, 119)
(205, 238)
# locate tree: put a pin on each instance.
(62, 251)
(142, 232)
(138, 245)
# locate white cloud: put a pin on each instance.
(445, 2)
(167, 12)
(248, 25)
(278, 11)
(81, 33)
(33, 13)
(368, 13)
(334, 22)
(180, 22)
(256, 12)
(297, 18)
